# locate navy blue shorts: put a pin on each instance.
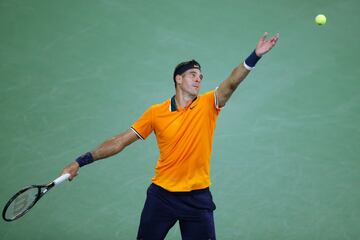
(162, 209)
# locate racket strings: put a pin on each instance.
(22, 203)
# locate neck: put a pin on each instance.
(183, 99)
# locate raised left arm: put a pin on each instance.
(227, 87)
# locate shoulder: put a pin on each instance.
(210, 98)
(158, 107)
(161, 106)
(208, 93)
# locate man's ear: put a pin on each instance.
(178, 79)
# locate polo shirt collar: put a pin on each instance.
(173, 106)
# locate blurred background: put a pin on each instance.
(285, 161)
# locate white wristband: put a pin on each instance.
(248, 67)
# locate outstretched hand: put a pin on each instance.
(264, 45)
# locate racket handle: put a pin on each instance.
(61, 178)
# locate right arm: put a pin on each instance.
(109, 148)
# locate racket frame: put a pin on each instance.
(42, 189)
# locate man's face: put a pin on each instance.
(190, 81)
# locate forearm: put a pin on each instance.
(114, 145)
(227, 87)
(241, 71)
(108, 148)
(237, 76)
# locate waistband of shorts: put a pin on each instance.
(197, 191)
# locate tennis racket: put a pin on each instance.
(26, 198)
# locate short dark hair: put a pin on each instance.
(184, 66)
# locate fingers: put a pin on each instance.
(263, 37)
(265, 45)
(272, 40)
(275, 38)
(72, 176)
(72, 169)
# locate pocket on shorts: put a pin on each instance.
(203, 200)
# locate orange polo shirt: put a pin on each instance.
(184, 137)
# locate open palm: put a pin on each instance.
(264, 45)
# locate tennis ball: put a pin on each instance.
(320, 19)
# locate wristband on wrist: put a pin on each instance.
(85, 159)
(251, 61)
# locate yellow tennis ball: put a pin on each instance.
(320, 19)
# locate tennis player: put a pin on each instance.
(184, 127)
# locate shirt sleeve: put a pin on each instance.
(143, 126)
(212, 101)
